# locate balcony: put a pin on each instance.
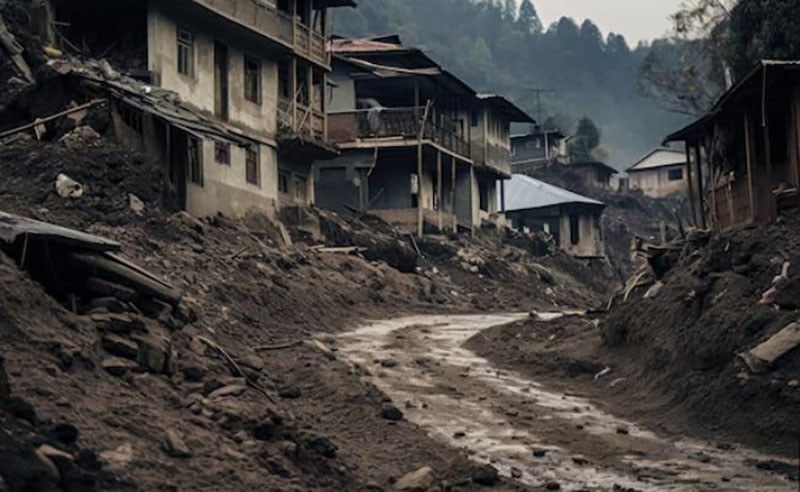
(494, 156)
(265, 19)
(395, 124)
(301, 120)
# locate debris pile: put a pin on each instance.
(711, 323)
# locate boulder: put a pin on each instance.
(486, 475)
(417, 481)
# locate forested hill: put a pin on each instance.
(497, 47)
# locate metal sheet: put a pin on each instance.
(14, 226)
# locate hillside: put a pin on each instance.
(496, 50)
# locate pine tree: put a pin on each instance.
(529, 18)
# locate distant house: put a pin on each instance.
(745, 153)
(572, 219)
(660, 173)
(540, 146)
(418, 146)
(593, 174)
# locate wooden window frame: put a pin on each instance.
(222, 153)
(252, 79)
(252, 165)
(185, 42)
(194, 160)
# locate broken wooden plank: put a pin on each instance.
(41, 121)
(14, 226)
(764, 356)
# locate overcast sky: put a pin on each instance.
(637, 20)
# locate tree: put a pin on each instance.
(529, 18)
(764, 29)
(510, 10)
(585, 141)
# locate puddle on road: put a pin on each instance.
(461, 399)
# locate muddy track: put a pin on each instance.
(534, 435)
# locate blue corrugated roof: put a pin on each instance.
(523, 192)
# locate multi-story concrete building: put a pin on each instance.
(253, 71)
(419, 146)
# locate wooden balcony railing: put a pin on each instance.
(267, 20)
(385, 123)
(304, 121)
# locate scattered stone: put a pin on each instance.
(230, 390)
(417, 481)
(68, 187)
(389, 363)
(623, 430)
(64, 433)
(119, 346)
(539, 453)
(459, 435)
(117, 366)
(120, 324)
(118, 458)
(253, 362)
(322, 446)
(580, 460)
(391, 412)
(61, 460)
(110, 304)
(289, 392)
(485, 475)
(136, 204)
(552, 486)
(174, 445)
(516, 473)
(50, 468)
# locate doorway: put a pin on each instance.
(221, 84)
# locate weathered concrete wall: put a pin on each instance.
(590, 243)
(199, 88)
(466, 205)
(343, 92)
(656, 182)
(225, 188)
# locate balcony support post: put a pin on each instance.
(439, 188)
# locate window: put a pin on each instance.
(252, 79)
(194, 156)
(675, 174)
(473, 118)
(574, 229)
(483, 196)
(251, 165)
(185, 53)
(222, 153)
(283, 182)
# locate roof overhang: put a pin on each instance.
(514, 113)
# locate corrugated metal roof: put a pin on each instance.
(660, 158)
(523, 193)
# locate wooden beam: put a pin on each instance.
(749, 146)
(41, 121)
(768, 159)
(691, 185)
(700, 192)
(439, 189)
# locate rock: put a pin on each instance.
(389, 363)
(623, 430)
(119, 324)
(119, 346)
(63, 461)
(322, 348)
(253, 362)
(64, 433)
(322, 446)
(20, 409)
(230, 390)
(110, 304)
(118, 458)
(117, 366)
(174, 446)
(552, 486)
(136, 204)
(289, 392)
(67, 187)
(516, 473)
(391, 412)
(49, 467)
(5, 387)
(193, 374)
(539, 453)
(485, 475)
(417, 481)
(155, 353)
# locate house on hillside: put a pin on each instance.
(231, 94)
(418, 146)
(573, 220)
(745, 153)
(593, 174)
(541, 146)
(660, 173)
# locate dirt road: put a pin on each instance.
(537, 436)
